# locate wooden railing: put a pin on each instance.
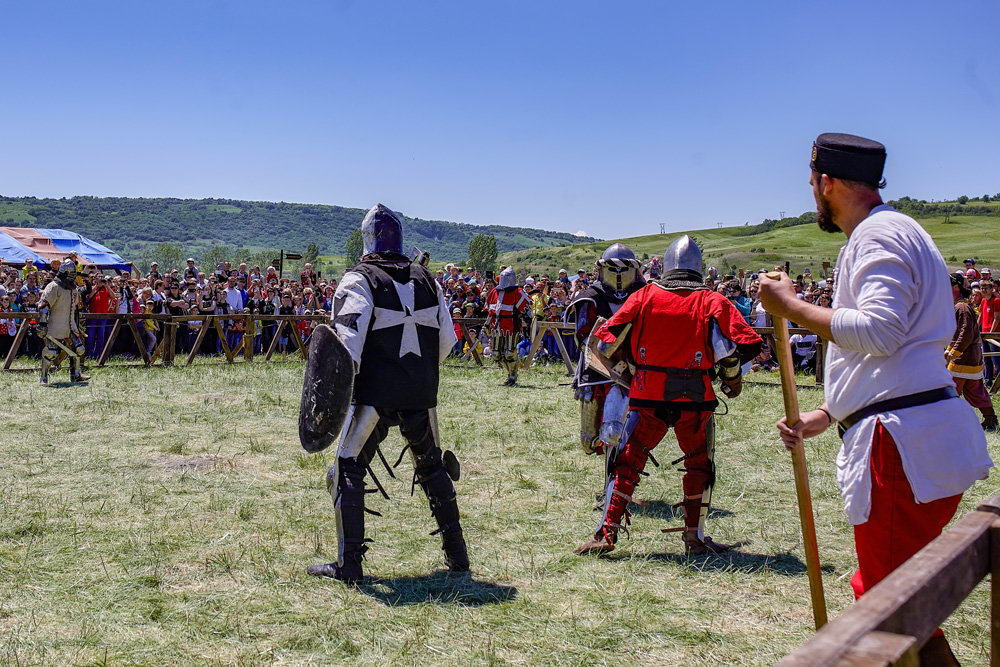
(166, 347)
(889, 623)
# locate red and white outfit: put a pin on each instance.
(677, 337)
(505, 308)
(901, 473)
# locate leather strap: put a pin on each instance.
(898, 403)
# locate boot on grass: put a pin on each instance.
(699, 546)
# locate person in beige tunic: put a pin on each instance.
(58, 324)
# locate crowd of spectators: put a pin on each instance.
(228, 290)
(225, 290)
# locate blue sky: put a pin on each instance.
(605, 117)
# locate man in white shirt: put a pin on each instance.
(911, 446)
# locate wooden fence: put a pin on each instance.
(166, 348)
(165, 352)
(889, 623)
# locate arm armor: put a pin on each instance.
(731, 375)
(584, 322)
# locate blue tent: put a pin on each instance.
(18, 244)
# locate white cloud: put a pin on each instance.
(581, 233)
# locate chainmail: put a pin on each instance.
(682, 279)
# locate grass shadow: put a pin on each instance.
(443, 587)
(664, 509)
(782, 564)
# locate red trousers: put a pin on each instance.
(897, 526)
(689, 427)
(975, 393)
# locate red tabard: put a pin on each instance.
(672, 330)
(505, 307)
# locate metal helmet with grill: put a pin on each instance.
(381, 231)
(66, 275)
(618, 269)
(506, 279)
(682, 259)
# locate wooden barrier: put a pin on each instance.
(165, 349)
(889, 623)
(541, 327)
(992, 339)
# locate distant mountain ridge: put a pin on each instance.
(130, 225)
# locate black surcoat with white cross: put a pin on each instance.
(399, 361)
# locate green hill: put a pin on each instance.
(969, 233)
(132, 226)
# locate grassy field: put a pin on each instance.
(803, 246)
(166, 516)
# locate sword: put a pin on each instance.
(59, 344)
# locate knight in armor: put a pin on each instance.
(507, 306)
(618, 276)
(677, 335)
(58, 325)
(391, 315)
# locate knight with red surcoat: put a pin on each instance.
(507, 305)
(677, 336)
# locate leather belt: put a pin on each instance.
(898, 403)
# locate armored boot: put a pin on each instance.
(699, 546)
(437, 484)
(74, 371)
(346, 483)
(600, 542)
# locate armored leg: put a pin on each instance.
(696, 436)
(505, 350)
(420, 431)
(643, 431)
(346, 483)
(49, 356)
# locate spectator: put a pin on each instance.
(989, 322)
(101, 301)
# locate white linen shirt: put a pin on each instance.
(894, 317)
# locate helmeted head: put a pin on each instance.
(66, 277)
(682, 259)
(618, 269)
(381, 231)
(507, 278)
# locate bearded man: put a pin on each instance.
(911, 446)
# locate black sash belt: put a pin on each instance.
(898, 403)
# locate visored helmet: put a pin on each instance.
(683, 256)
(618, 269)
(506, 279)
(66, 276)
(381, 231)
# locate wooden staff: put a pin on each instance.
(791, 400)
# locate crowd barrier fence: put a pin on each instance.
(889, 623)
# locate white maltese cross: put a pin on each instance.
(407, 317)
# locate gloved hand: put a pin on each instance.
(583, 393)
(732, 388)
(595, 446)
